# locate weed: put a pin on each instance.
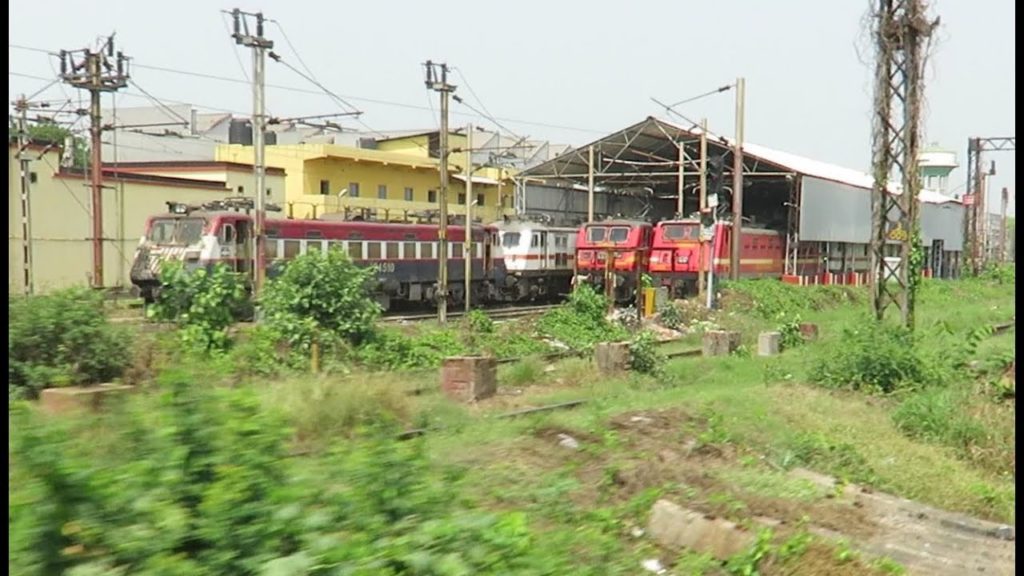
(887, 565)
(839, 458)
(525, 372)
(580, 322)
(746, 563)
(844, 553)
(670, 316)
(875, 356)
(322, 409)
(643, 354)
(691, 563)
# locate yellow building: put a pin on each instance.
(399, 179)
(60, 206)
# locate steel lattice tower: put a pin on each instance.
(901, 33)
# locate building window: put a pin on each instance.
(382, 192)
(479, 199)
(408, 194)
(325, 187)
(268, 192)
(33, 177)
(431, 195)
(353, 189)
(241, 190)
(462, 198)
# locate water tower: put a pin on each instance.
(936, 164)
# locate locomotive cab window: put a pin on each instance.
(355, 250)
(510, 239)
(373, 250)
(596, 233)
(392, 250)
(678, 232)
(619, 234)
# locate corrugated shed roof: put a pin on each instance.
(819, 169)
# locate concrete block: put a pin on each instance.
(71, 398)
(769, 343)
(675, 528)
(809, 331)
(720, 342)
(469, 378)
(611, 357)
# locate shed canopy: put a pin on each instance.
(647, 153)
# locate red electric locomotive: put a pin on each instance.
(611, 256)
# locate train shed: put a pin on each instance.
(650, 170)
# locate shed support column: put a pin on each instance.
(590, 183)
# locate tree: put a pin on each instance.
(51, 133)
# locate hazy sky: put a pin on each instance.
(567, 71)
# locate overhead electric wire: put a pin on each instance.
(306, 91)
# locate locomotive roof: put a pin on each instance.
(619, 222)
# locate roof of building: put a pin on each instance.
(117, 175)
(188, 166)
(652, 143)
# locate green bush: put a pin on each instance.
(392, 350)
(670, 316)
(935, 415)
(197, 484)
(204, 304)
(874, 356)
(581, 321)
(321, 296)
(63, 338)
(643, 354)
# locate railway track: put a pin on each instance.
(494, 314)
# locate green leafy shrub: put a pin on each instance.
(196, 483)
(789, 329)
(643, 354)
(999, 273)
(523, 373)
(63, 338)
(581, 321)
(204, 304)
(874, 356)
(670, 316)
(321, 296)
(392, 350)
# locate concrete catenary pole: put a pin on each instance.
(259, 45)
(96, 73)
(737, 183)
(437, 80)
(26, 209)
(703, 261)
(467, 252)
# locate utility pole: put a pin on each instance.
(259, 46)
(703, 205)
(1003, 225)
(21, 106)
(99, 71)
(737, 183)
(467, 252)
(437, 80)
(901, 30)
(975, 211)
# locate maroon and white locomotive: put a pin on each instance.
(403, 255)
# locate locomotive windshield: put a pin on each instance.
(510, 239)
(613, 234)
(176, 230)
(681, 232)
